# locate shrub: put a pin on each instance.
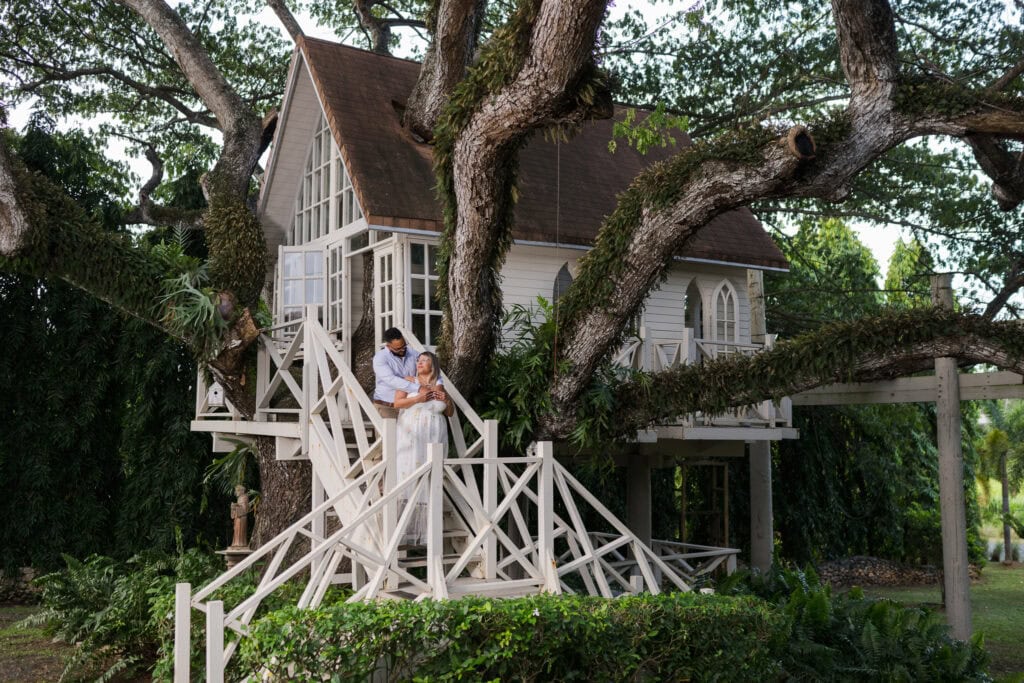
(850, 637)
(120, 615)
(565, 638)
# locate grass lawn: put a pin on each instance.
(997, 606)
(27, 655)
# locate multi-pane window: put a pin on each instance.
(326, 199)
(348, 207)
(424, 307)
(313, 205)
(725, 312)
(302, 282)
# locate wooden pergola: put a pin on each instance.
(946, 388)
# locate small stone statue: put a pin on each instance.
(240, 518)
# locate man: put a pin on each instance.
(394, 366)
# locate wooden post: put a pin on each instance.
(435, 522)
(546, 517)
(182, 632)
(755, 293)
(682, 501)
(761, 532)
(215, 641)
(490, 546)
(956, 579)
(389, 448)
(638, 501)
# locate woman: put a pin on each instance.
(421, 421)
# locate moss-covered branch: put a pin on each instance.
(56, 238)
(890, 345)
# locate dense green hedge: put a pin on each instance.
(540, 638)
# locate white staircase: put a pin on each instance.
(492, 522)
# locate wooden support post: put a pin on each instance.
(546, 517)
(761, 532)
(182, 632)
(215, 641)
(956, 579)
(490, 547)
(435, 523)
(638, 501)
(755, 294)
(389, 448)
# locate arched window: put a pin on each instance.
(724, 323)
(562, 282)
(694, 310)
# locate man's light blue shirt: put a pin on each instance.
(391, 372)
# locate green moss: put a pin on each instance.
(924, 95)
(831, 354)
(67, 243)
(238, 252)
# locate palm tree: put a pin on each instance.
(1002, 456)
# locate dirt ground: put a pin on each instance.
(27, 655)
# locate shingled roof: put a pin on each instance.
(362, 95)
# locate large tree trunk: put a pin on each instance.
(285, 492)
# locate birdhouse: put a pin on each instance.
(215, 396)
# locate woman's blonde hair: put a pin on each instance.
(435, 369)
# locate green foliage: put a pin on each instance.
(130, 79)
(861, 480)
(97, 455)
(563, 638)
(519, 374)
(120, 615)
(850, 637)
(654, 128)
(103, 608)
(188, 308)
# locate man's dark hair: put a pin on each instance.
(391, 334)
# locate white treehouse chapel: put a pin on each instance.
(346, 183)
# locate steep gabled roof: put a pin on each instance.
(362, 94)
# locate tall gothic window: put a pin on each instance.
(725, 312)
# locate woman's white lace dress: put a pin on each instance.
(418, 425)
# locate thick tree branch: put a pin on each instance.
(1012, 283)
(287, 19)
(707, 186)
(867, 48)
(456, 30)
(891, 345)
(1005, 169)
(43, 232)
(149, 212)
(239, 123)
(163, 93)
(555, 40)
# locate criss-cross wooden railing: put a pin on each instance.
(492, 526)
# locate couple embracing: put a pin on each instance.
(409, 388)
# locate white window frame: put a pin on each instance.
(727, 293)
(308, 277)
(325, 200)
(429, 280)
(385, 287)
